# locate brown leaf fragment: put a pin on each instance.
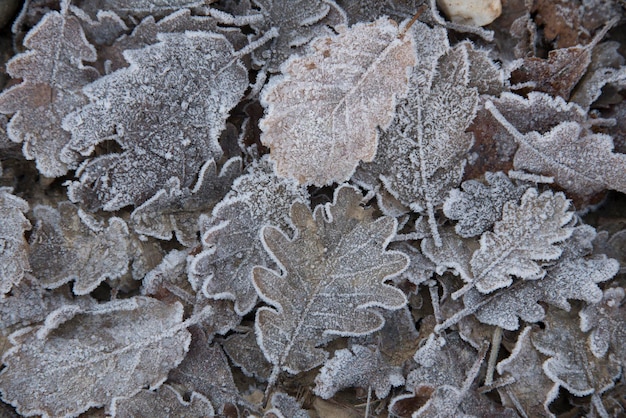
(333, 274)
(205, 370)
(557, 75)
(244, 351)
(13, 245)
(53, 77)
(571, 362)
(68, 244)
(568, 23)
(531, 390)
(323, 112)
(86, 357)
(165, 402)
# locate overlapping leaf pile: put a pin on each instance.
(313, 209)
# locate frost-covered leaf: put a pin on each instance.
(422, 153)
(573, 277)
(298, 22)
(52, 76)
(205, 370)
(85, 358)
(478, 206)
(104, 29)
(531, 388)
(165, 402)
(607, 323)
(443, 360)
(285, 406)
(322, 114)
(245, 353)
(176, 209)
(68, 244)
(420, 267)
(580, 161)
(525, 236)
(369, 10)
(146, 33)
(571, 363)
(332, 272)
(182, 90)
(454, 253)
(29, 303)
(13, 246)
(359, 366)
(136, 8)
(230, 237)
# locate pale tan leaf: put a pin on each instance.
(323, 113)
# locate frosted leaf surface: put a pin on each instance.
(136, 8)
(332, 273)
(298, 22)
(477, 206)
(421, 155)
(67, 244)
(359, 366)
(525, 236)
(85, 358)
(285, 406)
(13, 245)
(176, 209)
(420, 269)
(52, 76)
(571, 363)
(230, 237)
(484, 74)
(454, 253)
(104, 29)
(205, 370)
(168, 126)
(531, 388)
(606, 321)
(369, 10)
(442, 361)
(322, 114)
(29, 303)
(581, 162)
(573, 277)
(146, 33)
(166, 402)
(246, 354)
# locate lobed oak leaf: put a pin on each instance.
(477, 206)
(525, 235)
(230, 237)
(67, 244)
(571, 363)
(177, 209)
(86, 357)
(168, 127)
(53, 76)
(322, 114)
(13, 245)
(298, 22)
(332, 275)
(245, 353)
(136, 8)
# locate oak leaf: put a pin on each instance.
(13, 245)
(332, 275)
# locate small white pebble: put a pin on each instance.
(471, 12)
